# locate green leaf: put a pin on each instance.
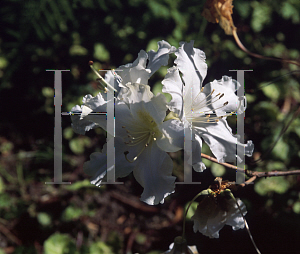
(271, 91)
(44, 219)
(272, 184)
(157, 88)
(78, 144)
(281, 150)
(5, 200)
(77, 50)
(141, 238)
(261, 15)
(68, 133)
(296, 207)
(100, 247)
(288, 11)
(59, 244)
(48, 92)
(101, 53)
(217, 169)
(81, 184)
(71, 213)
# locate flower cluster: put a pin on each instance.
(147, 127)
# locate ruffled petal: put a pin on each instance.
(114, 80)
(221, 141)
(215, 224)
(96, 104)
(86, 121)
(191, 63)
(134, 93)
(97, 165)
(135, 72)
(228, 103)
(161, 57)
(235, 218)
(80, 126)
(154, 172)
(173, 136)
(172, 85)
(206, 210)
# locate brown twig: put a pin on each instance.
(253, 174)
(10, 235)
(242, 47)
(222, 163)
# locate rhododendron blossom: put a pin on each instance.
(142, 137)
(205, 108)
(213, 214)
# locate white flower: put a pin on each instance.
(140, 71)
(205, 108)
(180, 246)
(142, 137)
(212, 214)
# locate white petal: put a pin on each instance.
(198, 165)
(134, 93)
(227, 87)
(97, 165)
(124, 117)
(191, 63)
(155, 110)
(234, 217)
(154, 173)
(206, 210)
(80, 126)
(222, 143)
(161, 57)
(172, 84)
(173, 136)
(135, 72)
(96, 104)
(215, 224)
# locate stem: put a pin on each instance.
(242, 47)
(246, 224)
(187, 209)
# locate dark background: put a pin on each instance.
(81, 218)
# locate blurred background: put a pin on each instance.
(81, 218)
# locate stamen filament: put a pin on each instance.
(135, 158)
(101, 80)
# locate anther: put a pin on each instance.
(226, 103)
(221, 95)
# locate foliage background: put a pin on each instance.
(79, 218)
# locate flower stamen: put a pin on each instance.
(137, 137)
